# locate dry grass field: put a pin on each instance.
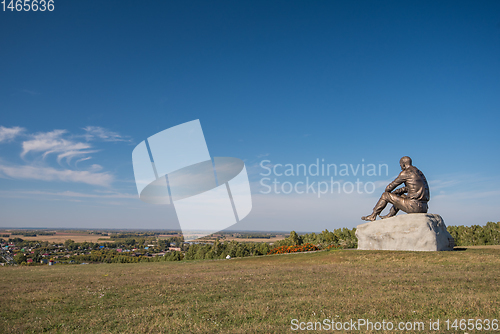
(254, 294)
(60, 237)
(270, 240)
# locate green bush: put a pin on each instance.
(20, 258)
(476, 235)
(342, 237)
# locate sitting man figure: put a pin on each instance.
(416, 189)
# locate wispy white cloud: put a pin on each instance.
(7, 134)
(82, 159)
(53, 142)
(69, 155)
(95, 168)
(65, 146)
(52, 174)
(99, 133)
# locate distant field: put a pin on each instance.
(254, 294)
(274, 239)
(63, 236)
(82, 236)
(166, 236)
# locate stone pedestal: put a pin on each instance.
(408, 232)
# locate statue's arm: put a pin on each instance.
(399, 180)
(400, 191)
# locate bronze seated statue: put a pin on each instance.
(412, 198)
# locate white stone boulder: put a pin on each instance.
(407, 232)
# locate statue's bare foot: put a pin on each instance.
(369, 218)
(387, 216)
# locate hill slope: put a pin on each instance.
(256, 294)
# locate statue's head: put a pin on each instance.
(405, 162)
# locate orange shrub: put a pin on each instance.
(293, 249)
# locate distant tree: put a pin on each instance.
(263, 248)
(295, 238)
(476, 235)
(69, 244)
(16, 240)
(129, 242)
(310, 238)
(175, 256)
(19, 258)
(37, 257)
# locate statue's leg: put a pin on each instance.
(387, 197)
(413, 206)
(391, 213)
(381, 204)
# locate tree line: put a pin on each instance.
(476, 235)
(338, 238)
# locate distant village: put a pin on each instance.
(33, 248)
(16, 250)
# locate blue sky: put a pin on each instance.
(283, 81)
